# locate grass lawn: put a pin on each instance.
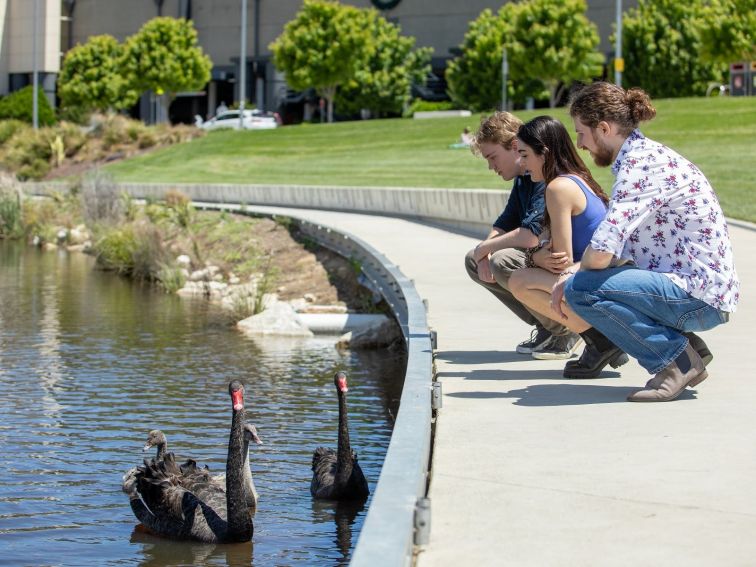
(717, 134)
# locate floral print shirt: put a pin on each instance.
(665, 217)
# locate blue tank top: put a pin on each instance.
(584, 224)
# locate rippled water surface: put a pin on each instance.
(90, 362)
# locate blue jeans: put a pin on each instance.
(640, 311)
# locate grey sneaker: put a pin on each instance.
(538, 338)
(559, 348)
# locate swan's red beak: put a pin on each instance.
(237, 398)
(341, 382)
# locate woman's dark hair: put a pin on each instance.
(549, 138)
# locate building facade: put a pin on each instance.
(61, 24)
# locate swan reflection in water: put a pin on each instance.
(343, 514)
(162, 552)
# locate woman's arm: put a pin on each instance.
(563, 197)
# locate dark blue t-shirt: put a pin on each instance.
(525, 207)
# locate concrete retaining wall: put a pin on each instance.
(471, 211)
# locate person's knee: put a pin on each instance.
(504, 263)
(471, 265)
(517, 282)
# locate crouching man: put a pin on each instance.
(660, 265)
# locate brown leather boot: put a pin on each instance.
(698, 345)
(687, 370)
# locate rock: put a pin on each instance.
(61, 235)
(376, 336)
(184, 261)
(278, 319)
(309, 297)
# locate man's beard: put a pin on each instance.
(603, 156)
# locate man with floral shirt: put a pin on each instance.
(660, 265)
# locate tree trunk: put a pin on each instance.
(329, 93)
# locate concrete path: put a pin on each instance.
(530, 468)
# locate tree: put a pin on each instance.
(728, 31)
(383, 79)
(164, 56)
(549, 44)
(662, 49)
(474, 78)
(91, 77)
(321, 48)
(553, 41)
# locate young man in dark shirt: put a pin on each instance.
(493, 260)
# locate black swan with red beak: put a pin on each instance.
(337, 474)
(173, 505)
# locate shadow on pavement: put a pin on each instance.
(479, 356)
(564, 395)
(518, 375)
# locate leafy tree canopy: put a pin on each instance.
(549, 43)
(164, 56)
(321, 47)
(91, 77)
(728, 31)
(382, 81)
(661, 44)
(554, 41)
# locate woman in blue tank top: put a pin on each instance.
(575, 205)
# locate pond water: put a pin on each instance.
(90, 362)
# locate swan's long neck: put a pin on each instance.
(344, 451)
(239, 521)
(249, 484)
(162, 449)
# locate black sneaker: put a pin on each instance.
(538, 337)
(559, 347)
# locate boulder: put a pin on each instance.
(279, 319)
(380, 335)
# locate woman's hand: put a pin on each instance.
(554, 262)
(557, 294)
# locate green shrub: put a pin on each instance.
(19, 106)
(171, 278)
(8, 128)
(11, 225)
(419, 105)
(28, 153)
(115, 250)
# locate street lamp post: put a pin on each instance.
(243, 64)
(35, 73)
(504, 78)
(619, 62)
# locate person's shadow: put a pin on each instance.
(539, 395)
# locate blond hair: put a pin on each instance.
(499, 128)
(606, 102)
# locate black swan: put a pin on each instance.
(161, 500)
(157, 438)
(336, 474)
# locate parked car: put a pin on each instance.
(253, 120)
